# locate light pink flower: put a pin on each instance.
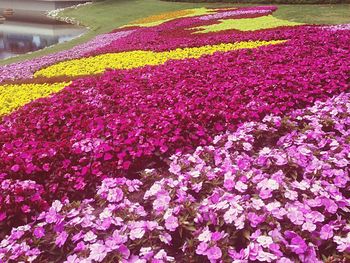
(171, 223)
(61, 239)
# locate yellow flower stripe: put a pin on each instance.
(17, 95)
(247, 24)
(156, 20)
(134, 59)
(163, 16)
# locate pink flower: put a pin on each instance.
(308, 226)
(326, 232)
(161, 203)
(137, 233)
(115, 195)
(25, 209)
(214, 253)
(264, 241)
(241, 187)
(296, 217)
(90, 236)
(265, 256)
(57, 206)
(171, 223)
(97, 252)
(165, 238)
(255, 219)
(72, 259)
(61, 239)
(216, 236)
(202, 248)
(80, 246)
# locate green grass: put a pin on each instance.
(315, 14)
(105, 16)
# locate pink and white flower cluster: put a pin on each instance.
(273, 191)
(232, 13)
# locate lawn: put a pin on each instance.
(102, 17)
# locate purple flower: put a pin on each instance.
(298, 245)
(255, 219)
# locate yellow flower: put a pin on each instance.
(139, 58)
(247, 24)
(156, 20)
(17, 95)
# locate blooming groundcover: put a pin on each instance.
(126, 162)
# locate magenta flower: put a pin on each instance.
(124, 251)
(15, 168)
(255, 219)
(298, 245)
(39, 232)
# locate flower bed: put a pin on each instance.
(14, 96)
(139, 95)
(273, 191)
(136, 59)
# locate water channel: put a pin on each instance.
(28, 30)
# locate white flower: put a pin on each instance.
(272, 184)
(195, 173)
(273, 205)
(257, 204)
(90, 236)
(265, 256)
(264, 241)
(265, 151)
(106, 213)
(57, 205)
(241, 187)
(247, 146)
(309, 226)
(205, 236)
